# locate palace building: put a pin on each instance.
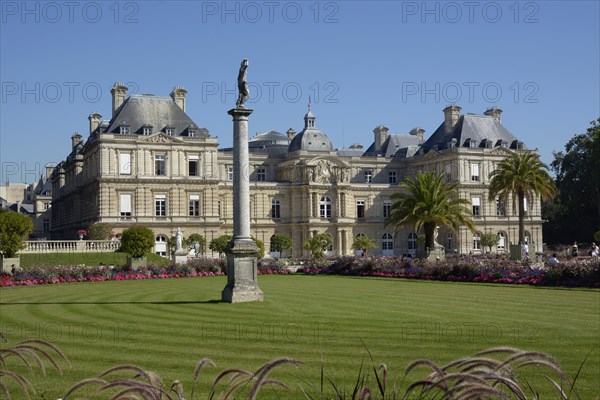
(151, 165)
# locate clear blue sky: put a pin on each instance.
(363, 64)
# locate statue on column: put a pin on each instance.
(244, 93)
(178, 240)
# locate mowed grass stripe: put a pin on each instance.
(168, 325)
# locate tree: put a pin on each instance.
(15, 228)
(220, 243)
(364, 242)
(280, 243)
(575, 214)
(522, 176)
(318, 244)
(100, 231)
(490, 240)
(197, 243)
(137, 241)
(261, 247)
(429, 201)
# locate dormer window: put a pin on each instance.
(170, 131)
(472, 143)
(191, 132)
(124, 129)
(504, 144)
(147, 130)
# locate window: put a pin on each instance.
(412, 241)
(194, 205)
(477, 241)
(360, 209)
(160, 246)
(527, 237)
(219, 208)
(501, 240)
(476, 202)
(392, 177)
(125, 163)
(275, 209)
(147, 130)
(191, 132)
(46, 225)
(125, 206)
(261, 174)
(325, 207)
(449, 241)
(448, 173)
(193, 169)
(160, 205)
(500, 208)
(170, 131)
(475, 172)
(472, 143)
(159, 165)
(525, 208)
(230, 174)
(387, 208)
(368, 175)
(46, 205)
(387, 242)
(124, 129)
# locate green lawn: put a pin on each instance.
(89, 259)
(168, 325)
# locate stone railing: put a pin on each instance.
(70, 246)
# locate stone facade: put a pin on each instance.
(151, 165)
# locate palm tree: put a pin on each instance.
(363, 242)
(429, 202)
(523, 176)
(318, 244)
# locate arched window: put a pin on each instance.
(501, 240)
(325, 207)
(412, 241)
(160, 245)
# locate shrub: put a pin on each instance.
(280, 243)
(14, 230)
(220, 243)
(100, 231)
(137, 241)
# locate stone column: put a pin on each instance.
(241, 252)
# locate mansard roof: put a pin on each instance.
(393, 146)
(310, 138)
(472, 127)
(158, 112)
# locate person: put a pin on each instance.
(574, 250)
(594, 250)
(244, 92)
(552, 260)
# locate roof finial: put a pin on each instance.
(308, 103)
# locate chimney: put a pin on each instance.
(178, 96)
(76, 139)
(291, 133)
(494, 112)
(380, 137)
(95, 120)
(18, 206)
(418, 132)
(61, 177)
(118, 96)
(49, 168)
(451, 116)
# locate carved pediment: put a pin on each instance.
(160, 138)
(499, 151)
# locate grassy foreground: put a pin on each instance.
(168, 325)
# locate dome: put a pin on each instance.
(310, 138)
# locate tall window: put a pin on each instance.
(275, 209)
(325, 207)
(500, 208)
(448, 173)
(449, 241)
(230, 174)
(194, 205)
(193, 164)
(477, 241)
(125, 206)
(46, 205)
(261, 174)
(387, 242)
(125, 163)
(387, 208)
(160, 205)
(368, 175)
(476, 202)
(475, 172)
(412, 241)
(159, 165)
(46, 225)
(392, 177)
(501, 240)
(360, 209)
(160, 245)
